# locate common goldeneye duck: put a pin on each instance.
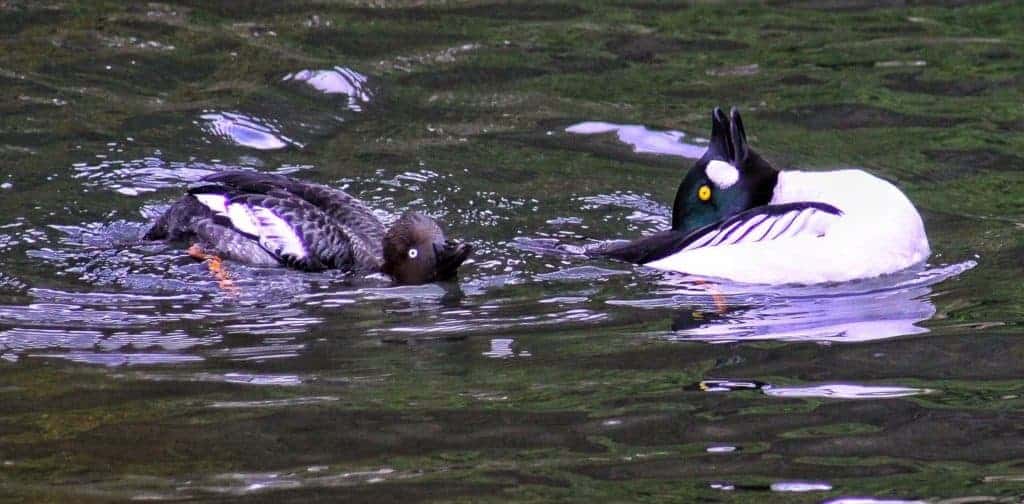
(738, 218)
(272, 220)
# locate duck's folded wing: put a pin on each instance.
(339, 205)
(766, 223)
(291, 229)
(760, 224)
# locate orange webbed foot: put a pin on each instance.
(216, 266)
(721, 307)
(196, 252)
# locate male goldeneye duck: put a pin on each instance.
(736, 217)
(272, 220)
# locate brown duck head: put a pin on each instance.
(416, 251)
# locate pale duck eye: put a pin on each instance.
(413, 253)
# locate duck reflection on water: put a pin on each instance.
(841, 313)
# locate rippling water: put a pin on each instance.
(129, 372)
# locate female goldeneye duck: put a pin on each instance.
(738, 218)
(272, 220)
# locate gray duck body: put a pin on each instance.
(269, 220)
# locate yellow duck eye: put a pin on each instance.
(704, 193)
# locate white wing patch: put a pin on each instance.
(276, 235)
(273, 233)
(243, 219)
(723, 174)
(216, 202)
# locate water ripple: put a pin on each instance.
(122, 359)
(75, 316)
(827, 391)
(858, 311)
(493, 322)
(260, 353)
(722, 449)
(110, 347)
(239, 484)
(258, 379)
(238, 378)
(246, 130)
(870, 500)
(643, 140)
(646, 209)
(140, 175)
(352, 85)
(274, 403)
(108, 298)
(801, 486)
(844, 391)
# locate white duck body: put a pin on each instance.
(878, 232)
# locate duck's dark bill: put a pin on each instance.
(450, 256)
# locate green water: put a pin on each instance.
(126, 372)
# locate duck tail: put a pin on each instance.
(176, 222)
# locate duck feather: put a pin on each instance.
(758, 224)
(308, 226)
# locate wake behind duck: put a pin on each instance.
(736, 217)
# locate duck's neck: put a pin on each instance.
(763, 179)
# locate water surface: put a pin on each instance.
(128, 372)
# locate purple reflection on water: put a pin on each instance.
(869, 500)
(246, 130)
(643, 140)
(335, 81)
(844, 391)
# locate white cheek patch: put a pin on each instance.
(723, 174)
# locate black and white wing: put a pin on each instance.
(759, 224)
(291, 229)
(347, 210)
(766, 223)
